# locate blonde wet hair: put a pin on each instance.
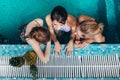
(90, 28)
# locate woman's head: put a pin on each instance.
(58, 16)
(40, 34)
(89, 28)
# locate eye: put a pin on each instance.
(83, 36)
(54, 24)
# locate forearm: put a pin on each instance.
(72, 37)
(47, 51)
(54, 38)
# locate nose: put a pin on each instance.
(75, 33)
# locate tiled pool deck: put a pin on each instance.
(91, 50)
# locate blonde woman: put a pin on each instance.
(88, 31)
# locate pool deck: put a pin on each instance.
(91, 50)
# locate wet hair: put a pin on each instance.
(59, 14)
(40, 34)
(91, 28)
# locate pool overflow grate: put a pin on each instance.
(67, 67)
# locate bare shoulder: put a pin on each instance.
(71, 20)
(85, 17)
(71, 17)
(99, 38)
(48, 20)
(39, 21)
(47, 17)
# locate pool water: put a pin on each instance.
(14, 13)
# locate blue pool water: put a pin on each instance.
(14, 13)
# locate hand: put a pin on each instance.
(82, 44)
(69, 48)
(77, 44)
(57, 48)
(46, 60)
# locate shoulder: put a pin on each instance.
(38, 19)
(99, 38)
(71, 20)
(71, 17)
(48, 20)
(48, 17)
(36, 22)
(84, 17)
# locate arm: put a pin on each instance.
(35, 23)
(57, 47)
(72, 23)
(49, 23)
(98, 38)
(44, 57)
(82, 18)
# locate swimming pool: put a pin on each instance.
(14, 13)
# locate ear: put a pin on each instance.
(101, 26)
(92, 19)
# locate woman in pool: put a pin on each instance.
(35, 35)
(58, 21)
(88, 31)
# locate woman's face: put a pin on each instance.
(79, 33)
(57, 25)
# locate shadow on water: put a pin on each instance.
(111, 28)
(3, 40)
(117, 13)
(103, 18)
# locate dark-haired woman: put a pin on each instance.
(60, 21)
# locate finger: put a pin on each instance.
(77, 42)
(59, 52)
(66, 52)
(69, 53)
(65, 48)
(56, 54)
(80, 46)
(54, 50)
(77, 46)
(85, 44)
